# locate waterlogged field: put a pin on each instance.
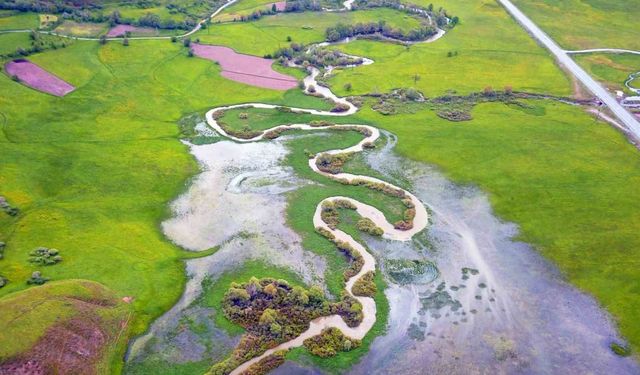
(94, 174)
(584, 24)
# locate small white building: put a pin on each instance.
(631, 102)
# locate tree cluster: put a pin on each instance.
(342, 31)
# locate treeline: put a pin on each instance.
(93, 12)
(291, 6)
(440, 17)
(342, 31)
(39, 43)
(301, 55)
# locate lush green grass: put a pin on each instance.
(569, 182)
(492, 50)
(583, 24)
(103, 162)
(18, 21)
(611, 69)
(10, 42)
(270, 32)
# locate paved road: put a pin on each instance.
(563, 57)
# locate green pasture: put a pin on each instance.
(104, 162)
(584, 24)
(10, 20)
(269, 33)
(611, 69)
(487, 49)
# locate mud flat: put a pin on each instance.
(37, 78)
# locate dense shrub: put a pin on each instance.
(273, 312)
(332, 163)
(329, 342)
(368, 226)
(45, 256)
(37, 279)
(340, 107)
(6, 207)
(365, 286)
(342, 31)
(267, 364)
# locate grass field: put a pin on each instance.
(18, 21)
(270, 32)
(611, 69)
(72, 28)
(104, 162)
(482, 59)
(583, 24)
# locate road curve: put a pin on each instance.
(604, 50)
(629, 121)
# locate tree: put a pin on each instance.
(186, 42)
(289, 39)
(125, 42)
(174, 39)
(103, 39)
(416, 78)
(347, 86)
(274, 8)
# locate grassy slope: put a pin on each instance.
(583, 24)
(93, 172)
(512, 59)
(18, 21)
(611, 69)
(26, 315)
(270, 32)
(570, 184)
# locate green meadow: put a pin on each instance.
(479, 59)
(611, 69)
(92, 173)
(10, 20)
(269, 33)
(584, 24)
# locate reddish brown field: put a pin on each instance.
(120, 30)
(35, 77)
(248, 69)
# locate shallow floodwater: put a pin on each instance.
(490, 305)
(496, 307)
(236, 203)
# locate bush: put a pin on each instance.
(329, 342)
(125, 42)
(340, 107)
(332, 163)
(174, 39)
(37, 279)
(3, 281)
(186, 42)
(368, 226)
(365, 286)
(45, 256)
(243, 115)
